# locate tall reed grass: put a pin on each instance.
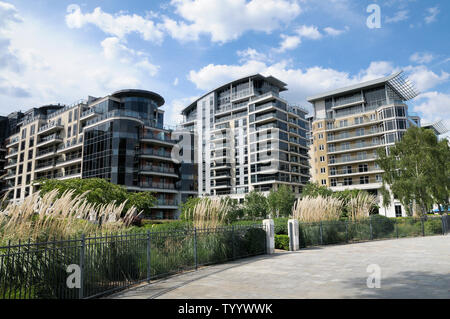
(43, 218)
(359, 206)
(209, 213)
(309, 209)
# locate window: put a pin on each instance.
(398, 211)
(343, 123)
(322, 159)
(69, 131)
(32, 129)
(364, 180)
(363, 168)
(324, 182)
(24, 133)
(333, 171)
(359, 120)
(373, 117)
(320, 136)
(378, 178)
(333, 182)
(321, 147)
(348, 181)
(319, 125)
(70, 116)
(323, 170)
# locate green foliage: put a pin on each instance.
(433, 226)
(281, 226)
(100, 192)
(417, 170)
(282, 242)
(281, 201)
(315, 190)
(255, 205)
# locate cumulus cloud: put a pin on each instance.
(251, 54)
(433, 106)
(335, 32)
(44, 75)
(174, 108)
(432, 14)
(401, 15)
(425, 79)
(118, 25)
(421, 58)
(309, 81)
(226, 20)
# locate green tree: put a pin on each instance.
(255, 205)
(417, 170)
(315, 190)
(99, 191)
(281, 201)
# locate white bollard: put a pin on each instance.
(294, 237)
(269, 227)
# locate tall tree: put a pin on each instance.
(417, 170)
(255, 205)
(281, 201)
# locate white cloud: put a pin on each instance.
(432, 14)
(226, 20)
(118, 25)
(288, 42)
(174, 108)
(401, 15)
(175, 82)
(251, 54)
(425, 79)
(421, 58)
(433, 106)
(310, 81)
(310, 32)
(44, 75)
(335, 32)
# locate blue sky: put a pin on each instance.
(62, 51)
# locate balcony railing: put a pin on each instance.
(157, 169)
(351, 159)
(152, 152)
(166, 202)
(50, 126)
(157, 185)
(50, 138)
(353, 134)
(353, 171)
(354, 147)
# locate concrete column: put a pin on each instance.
(269, 227)
(294, 237)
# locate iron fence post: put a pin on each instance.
(148, 257)
(396, 227)
(423, 227)
(346, 231)
(195, 248)
(82, 252)
(443, 225)
(371, 229)
(232, 242)
(321, 233)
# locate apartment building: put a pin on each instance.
(120, 138)
(350, 124)
(248, 138)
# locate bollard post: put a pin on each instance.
(269, 227)
(396, 227)
(294, 237)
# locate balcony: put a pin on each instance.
(161, 186)
(157, 139)
(50, 140)
(352, 159)
(69, 160)
(87, 114)
(45, 154)
(44, 166)
(365, 122)
(12, 153)
(51, 127)
(166, 203)
(71, 146)
(154, 153)
(358, 146)
(157, 170)
(263, 96)
(12, 142)
(11, 164)
(354, 172)
(355, 135)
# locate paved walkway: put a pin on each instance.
(410, 268)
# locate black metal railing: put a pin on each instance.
(375, 228)
(108, 263)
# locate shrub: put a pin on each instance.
(433, 226)
(281, 226)
(282, 242)
(382, 227)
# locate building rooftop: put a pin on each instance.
(141, 93)
(439, 127)
(258, 76)
(397, 81)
